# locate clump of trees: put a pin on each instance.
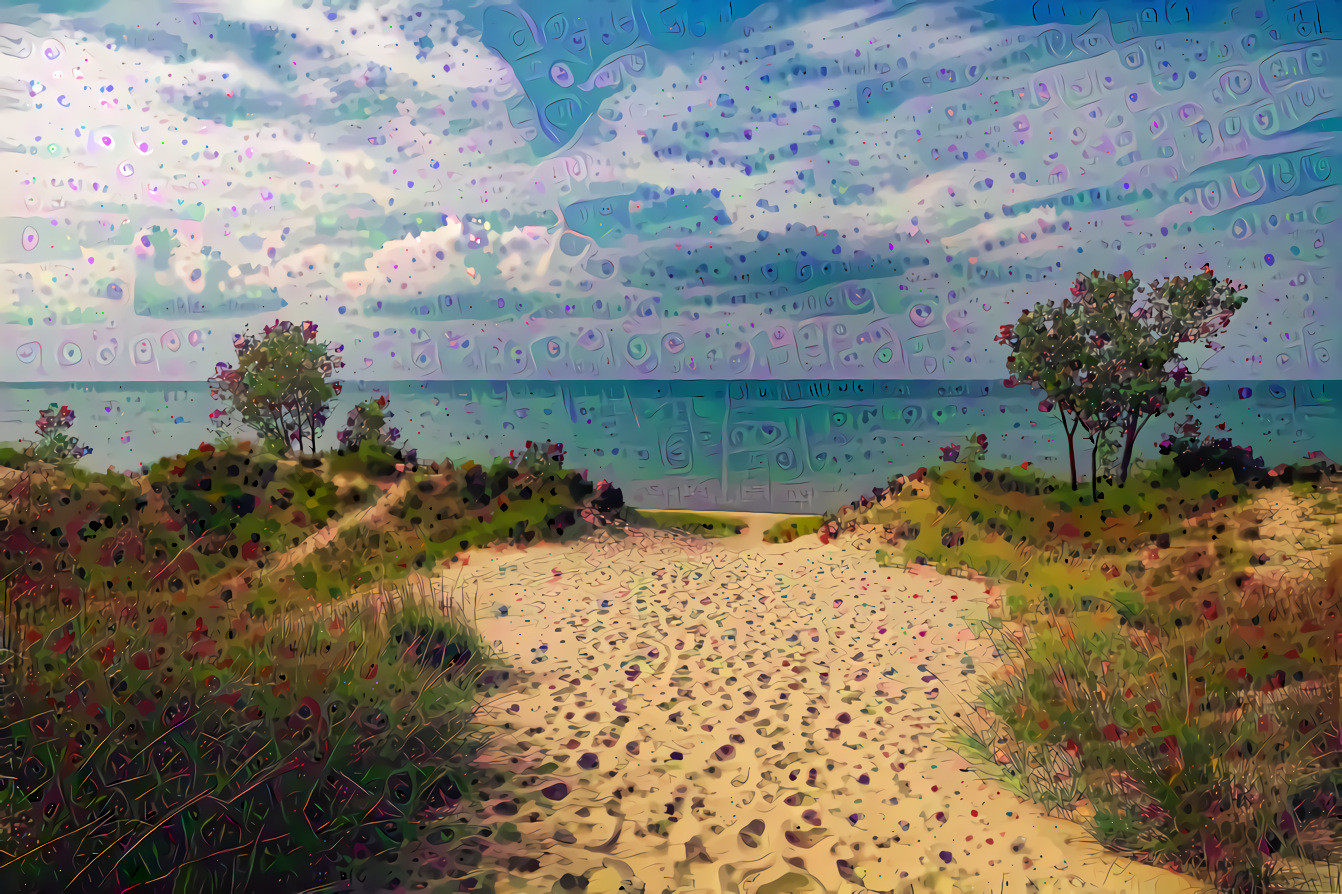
(1112, 357)
(281, 385)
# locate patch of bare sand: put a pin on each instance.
(733, 716)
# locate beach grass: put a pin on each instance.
(231, 671)
(1170, 654)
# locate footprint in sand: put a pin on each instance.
(735, 716)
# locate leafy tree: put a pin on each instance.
(1049, 350)
(54, 443)
(1137, 343)
(282, 384)
(1111, 358)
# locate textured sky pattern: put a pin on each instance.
(622, 189)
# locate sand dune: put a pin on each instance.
(733, 716)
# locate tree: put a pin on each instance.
(1137, 341)
(367, 423)
(1109, 360)
(1049, 351)
(282, 384)
(54, 442)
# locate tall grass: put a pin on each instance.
(167, 748)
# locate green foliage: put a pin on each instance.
(15, 456)
(702, 524)
(368, 423)
(281, 386)
(789, 529)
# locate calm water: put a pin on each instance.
(750, 445)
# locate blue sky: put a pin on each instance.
(620, 189)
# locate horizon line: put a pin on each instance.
(595, 381)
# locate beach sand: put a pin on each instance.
(726, 715)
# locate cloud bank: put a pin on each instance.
(618, 189)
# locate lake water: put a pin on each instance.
(775, 446)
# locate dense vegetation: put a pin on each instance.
(215, 679)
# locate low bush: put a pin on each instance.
(700, 524)
(789, 529)
(1190, 454)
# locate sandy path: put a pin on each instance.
(735, 716)
(365, 518)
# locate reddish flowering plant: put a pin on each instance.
(54, 440)
(367, 424)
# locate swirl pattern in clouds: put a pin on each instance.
(620, 189)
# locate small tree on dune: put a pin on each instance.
(282, 384)
(1139, 339)
(1049, 350)
(1111, 359)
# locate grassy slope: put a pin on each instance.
(181, 714)
(1172, 654)
(788, 529)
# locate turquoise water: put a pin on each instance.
(778, 446)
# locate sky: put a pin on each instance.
(625, 189)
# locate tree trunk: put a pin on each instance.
(312, 428)
(298, 425)
(277, 431)
(1129, 438)
(299, 419)
(1094, 450)
(1071, 447)
(284, 434)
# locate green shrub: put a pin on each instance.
(701, 524)
(789, 529)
